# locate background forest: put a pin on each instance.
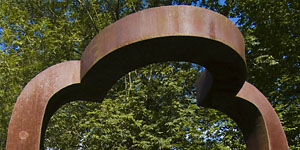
(152, 107)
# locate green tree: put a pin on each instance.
(272, 32)
(151, 107)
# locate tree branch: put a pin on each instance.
(90, 17)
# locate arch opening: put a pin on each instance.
(160, 95)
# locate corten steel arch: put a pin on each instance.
(173, 33)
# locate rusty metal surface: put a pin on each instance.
(162, 22)
(250, 109)
(172, 33)
(275, 134)
(24, 132)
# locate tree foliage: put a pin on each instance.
(272, 32)
(151, 107)
(156, 111)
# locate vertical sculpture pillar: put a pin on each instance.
(24, 131)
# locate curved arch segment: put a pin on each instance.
(250, 109)
(267, 120)
(25, 126)
(172, 33)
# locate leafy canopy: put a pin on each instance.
(151, 107)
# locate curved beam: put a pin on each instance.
(24, 131)
(276, 138)
(172, 33)
(252, 112)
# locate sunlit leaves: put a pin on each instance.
(152, 107)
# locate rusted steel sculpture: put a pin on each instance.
(172, 33)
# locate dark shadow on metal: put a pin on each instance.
(244, 113)
(173, 33)
(35, 102)
(252, 112)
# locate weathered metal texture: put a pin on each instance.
(24, 131)
(268, 120)
(161, 34)
(173, 33)
(252, 112)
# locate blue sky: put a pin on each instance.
(1, 44)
